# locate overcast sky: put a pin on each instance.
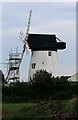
(52, 17)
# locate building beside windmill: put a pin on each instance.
(73, 78)
(44, 49)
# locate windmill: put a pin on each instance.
(44, 49)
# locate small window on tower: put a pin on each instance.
(33, 65)
(49, 53)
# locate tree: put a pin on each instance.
(41, 84)
(41, 76)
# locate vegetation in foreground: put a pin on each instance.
(42, 97)
(54, 110)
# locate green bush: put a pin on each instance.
(43, 86)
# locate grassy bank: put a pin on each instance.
(50, 110)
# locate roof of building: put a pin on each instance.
(45, 42)
(73, 78)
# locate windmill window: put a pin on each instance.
(49, 53)
(33, 65)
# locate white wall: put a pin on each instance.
(43, 61)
